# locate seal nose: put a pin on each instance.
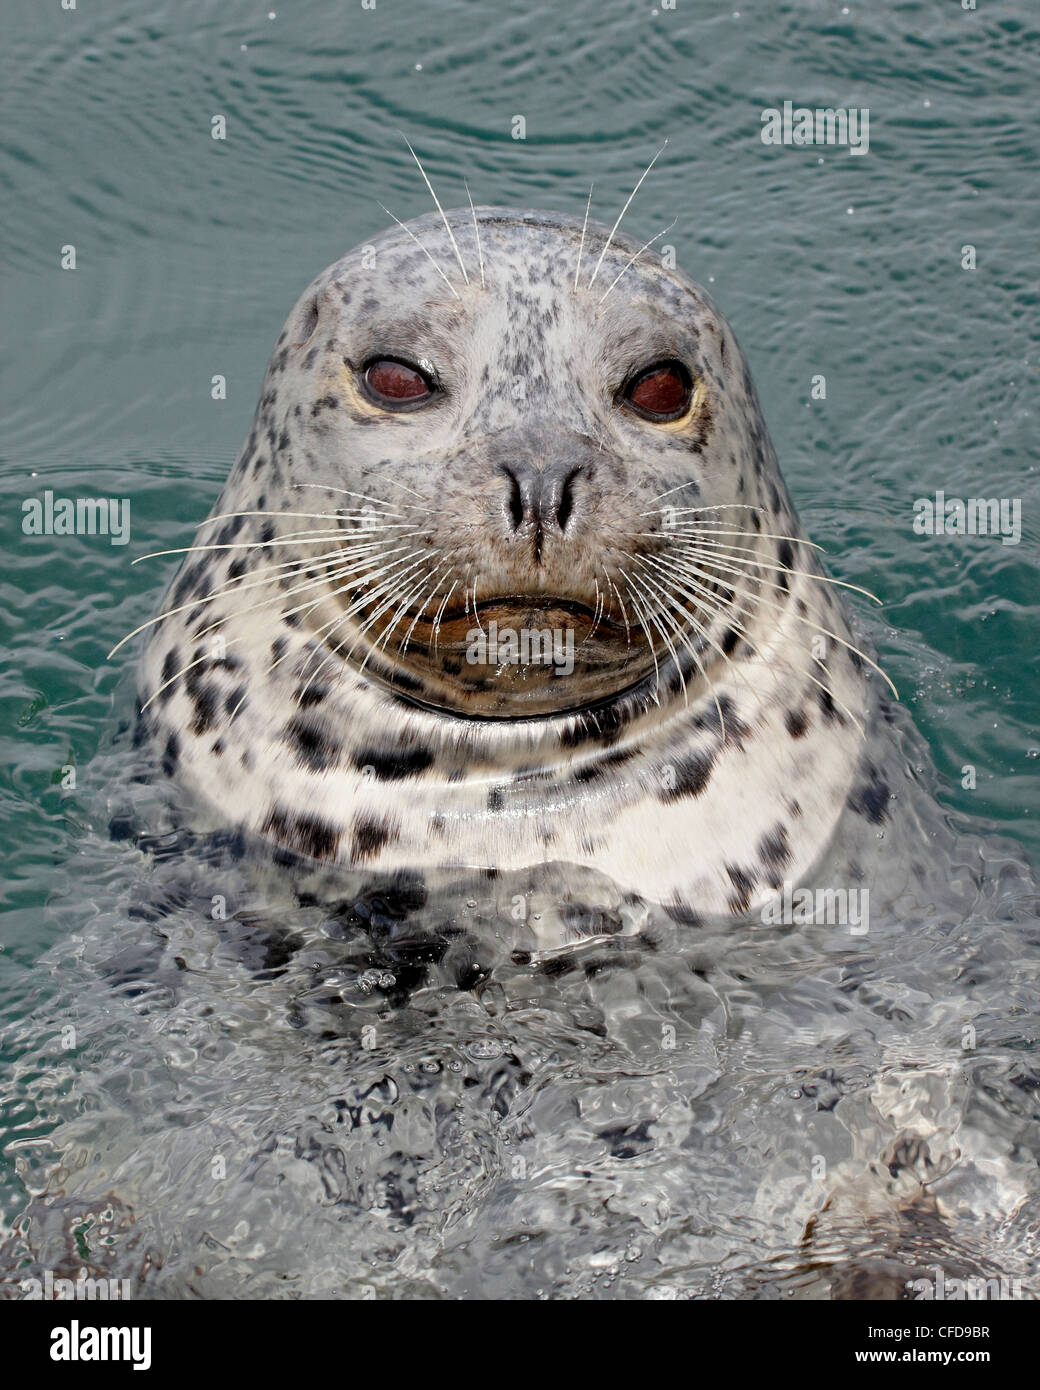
(542, 498)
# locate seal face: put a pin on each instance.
(505, 574)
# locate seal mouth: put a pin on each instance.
(527, 610)
(512, 654)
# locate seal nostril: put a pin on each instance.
(516, 501)
(566, 504)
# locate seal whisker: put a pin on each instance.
(476, 613)
(693, 482)
(808, 622)
(476, 233)
(180, 608)
(346, 491)
(387, 588)
(638, 606)
(596, 616)
(406, 603)
(644, 247)
(433, 195)
(724, 507)
(684, 638)
(581, 244)
(396, 482)
(709, 604)
(203, 632)
(655, 615)
(694, 531)
(403, 646)
(617, 224)
(724, 612)
(390, 601)
(786, 569)
(382, 594)
(297, 537)
(331, 625)
(440, 614)
(327, 576)
(714, 611)
(621, 604)
(321, 516)
(425, 252)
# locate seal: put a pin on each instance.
(505, 575)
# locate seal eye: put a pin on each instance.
(396, 385)
(660, 392)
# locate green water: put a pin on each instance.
(189, 252)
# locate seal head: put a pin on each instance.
(506, 573)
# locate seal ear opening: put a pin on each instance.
(308, 323)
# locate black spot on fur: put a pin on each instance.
(193, 583)
(170, 667)
(228, 532)
(785, 555)
(592, 772)
(170, 755)
(831, 714)
(797, 722)
(871, 798)
(774, 850)
(692, 775)
(236, 701)
(309, 835)
(393, 765)
(681, 912)
(743, 883)
(205, 698)
(702, 429)
(729, 641)
(371, 834)
(496, 799)
(312, 743)
(735, 728)
(310, 695)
